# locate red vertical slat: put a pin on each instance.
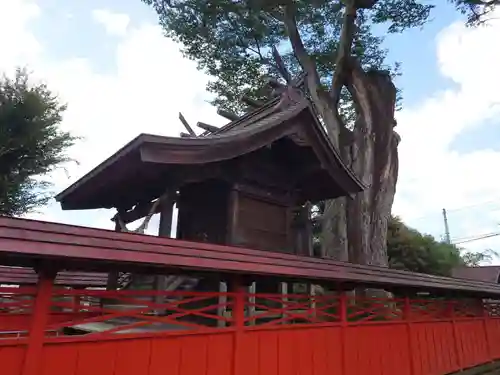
(319, 349)
(220, 350)
(268, 352)
(132, 356)
(194, 350)
(11, 359)
(60, 359)
(40, 317)
(286, 343)
(304, 351)
(165, 357)
(96, 358)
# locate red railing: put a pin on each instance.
(239, 333)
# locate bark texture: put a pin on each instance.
(355, 229)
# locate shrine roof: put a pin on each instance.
(151, 159)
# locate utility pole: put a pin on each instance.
(447, 238)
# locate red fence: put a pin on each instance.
(84, 332)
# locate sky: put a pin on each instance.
(110, 62)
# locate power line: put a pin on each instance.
(475, 238)
(496, 200)
(454, 210)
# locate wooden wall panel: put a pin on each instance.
(433, 348)
(11, 359)
(262, 225)
(204, 354)
(306, 351)
(397, 348)
(367, 349)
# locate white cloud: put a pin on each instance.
(151, 84)
(115, 23)
(17, 43)
(431, 175)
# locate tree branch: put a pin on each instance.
(305, 61)
(343, 50)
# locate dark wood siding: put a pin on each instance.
(261, 224)
(203, 212)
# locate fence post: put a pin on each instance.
(407, 316)
(40, 316)
(238, 321)
(343, 303)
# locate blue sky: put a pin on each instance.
(110, 62)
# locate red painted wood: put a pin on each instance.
(11, 359)
(39, 240)
(374, 349)
(337, 346)
(40, 317)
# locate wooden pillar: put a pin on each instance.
(166, 213)
(39, 320)
(112, 282)
(302, 229)
(232, 222)
(222, 309)
(164, 230)
(284, 299)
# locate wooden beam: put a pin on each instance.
(112, 281)
(226, 114)
(186, 125)
(138, 212)
(186, 135)
(207, 127)
(253, 103)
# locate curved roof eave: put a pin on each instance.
(229, 145)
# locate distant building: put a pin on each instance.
(484, 273)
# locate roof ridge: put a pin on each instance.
(269, 104)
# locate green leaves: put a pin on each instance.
(411, 250)
(477, 11)
(401, 14)
(232, 40)
(31, 143)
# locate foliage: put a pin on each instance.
(477, 11)
(31, 143)
(476, 259)
(232, 40)
(411, 250)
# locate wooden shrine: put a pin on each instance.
(245, 184)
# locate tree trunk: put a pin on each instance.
(356, 229)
